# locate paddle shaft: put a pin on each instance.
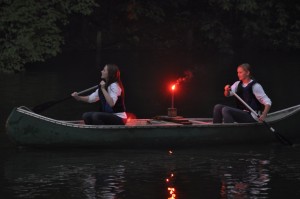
(87, 90)
(46, 105)
(278, 135)
(79, 93)
(248, 107)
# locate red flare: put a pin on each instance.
(173, 87)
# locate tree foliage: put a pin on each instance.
(270, 24)
(224, 25)
(218, 25)
(30, 30)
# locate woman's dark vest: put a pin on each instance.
(104, 106)
(246, 93)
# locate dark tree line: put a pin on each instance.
(34, 30)
(31, 30)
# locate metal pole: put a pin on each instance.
(172, 105)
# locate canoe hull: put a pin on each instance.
(28, 129)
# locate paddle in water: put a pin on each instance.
(42, 107)
(282, 139)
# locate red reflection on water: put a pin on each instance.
(170, 187)
(172, 192)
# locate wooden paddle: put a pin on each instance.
(42, 107)
(282, 139)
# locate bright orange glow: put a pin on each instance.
(131, 119)
(172, 192)
(173, 87)
(171, 189)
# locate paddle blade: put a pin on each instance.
(42, 107)
(280, 137)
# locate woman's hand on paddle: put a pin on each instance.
(262, 117)
(102, 84)
(264, 114)
(75, 95)
(227, 90)
(80, 98)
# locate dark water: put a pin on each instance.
(270, 172)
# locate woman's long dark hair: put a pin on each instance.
(114, 75)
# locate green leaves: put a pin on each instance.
(30, 30)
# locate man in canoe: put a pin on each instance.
(110, 93)
(251, 92)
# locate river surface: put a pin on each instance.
(231, 172)
(271, 171)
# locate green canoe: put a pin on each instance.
(27, 128)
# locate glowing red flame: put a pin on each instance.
(173, 87)
(187, 76)
(131, 119)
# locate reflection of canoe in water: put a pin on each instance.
(30, 129)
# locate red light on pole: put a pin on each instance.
(173, 90)
(172, 112)
(173, 87)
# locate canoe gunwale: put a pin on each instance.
(27, 128)
(287, 112)
(273, 117)
(28, 112)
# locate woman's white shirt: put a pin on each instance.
(114, 91)
(258, 91)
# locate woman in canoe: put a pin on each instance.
(110, 94)
(251, 92)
